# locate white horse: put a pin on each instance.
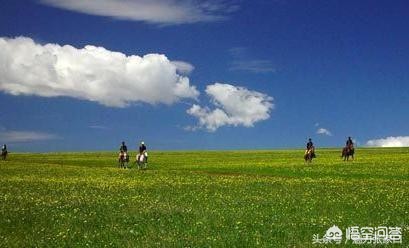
(142, 160)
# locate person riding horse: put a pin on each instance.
(348, 149)
(123, 157)
(142, 147)
(123, 147)
(4, 152)
(311, 147)
(142, 157)
(310, 151)
(350, 143)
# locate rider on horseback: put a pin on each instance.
(350, 144)
(142, 149)
(142, 157)
(123, 147)
(123, 153)
(4, 151)
(310, 148)
(348, 150)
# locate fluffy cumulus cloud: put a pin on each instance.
(234, 106)
(324, 131)
(152, 11)
(91, 73)
(399, 141)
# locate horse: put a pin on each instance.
(4, 154)
(309, 155)
(142, 160)
(123, 160)
(347, 152)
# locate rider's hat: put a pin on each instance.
(142, 143)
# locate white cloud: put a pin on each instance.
(324, 131)
(183, 67)
(25, 136)
(399, 141)
(235, 106)
(91, 73)
(152, 11)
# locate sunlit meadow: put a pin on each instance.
(199, 199)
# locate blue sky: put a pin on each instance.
(250, 74)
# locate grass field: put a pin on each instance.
(200, 199)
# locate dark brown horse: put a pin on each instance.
(347, 152)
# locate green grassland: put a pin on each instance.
(200, 199)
